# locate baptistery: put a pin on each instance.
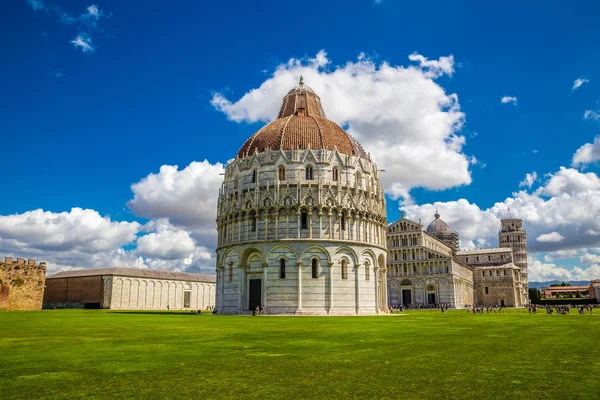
(301, 219)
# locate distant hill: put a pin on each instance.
(539, 285)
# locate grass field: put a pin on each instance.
(424, 354)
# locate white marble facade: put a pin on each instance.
(339, 224)
(132, 293)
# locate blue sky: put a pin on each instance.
(97, 97)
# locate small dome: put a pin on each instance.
(438, 226)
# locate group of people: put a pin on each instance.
(402, 307)
(208, 308)
(483, 309)
(260, 309)
(562, 309)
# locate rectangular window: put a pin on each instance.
(315, 269)
(304, 220)
(504, 272)
(230, 272)
(367, 272)
(344, 269)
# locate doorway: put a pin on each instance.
(254, 294)
(502, 302)
(406, 297)
(430, 298)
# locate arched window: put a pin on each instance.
(230, 271)
(309, 173)
(487, 291)
(344, 269)
(282, 268)
(483, 274)
(252, 222)
(335, 173)
(281, 173)
(304, 220)
(315, 268)
(358, 178)
(343, 222)
(236, 182)
(367, 271)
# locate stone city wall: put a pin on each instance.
(21, 284)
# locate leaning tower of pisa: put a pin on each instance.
(512, 235)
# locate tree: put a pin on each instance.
(578, 295)
(534, 295)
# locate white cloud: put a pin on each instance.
(396, 113)
(83, 239)
(84, 42)
(589, 259)
(187, 198)
(79, 229)
(578, 82)
(542, 272)
(509, 99)
(591, 114)
(548, 258)
(552, 237)
(588, 153)
(567, 203)
(529, 180)
(166, 242)
(570, 182)
(76, 238)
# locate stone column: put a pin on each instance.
(320, 223)
(384, 289)
(330, 272)
(310, 224)
(376, 289)
(299, 307)
(357, 287)
(242, 288)
(256, 220)
(267, 224)
(264, 283)
(277, 225)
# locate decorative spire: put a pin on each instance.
(301, 80)
(437, 214)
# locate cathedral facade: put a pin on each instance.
(301, 219)
(425, 267)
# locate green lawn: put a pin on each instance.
(423, 354)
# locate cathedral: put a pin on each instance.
(426, 267)
(302, 229)
(301, 219)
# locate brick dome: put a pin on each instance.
(301, 124)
